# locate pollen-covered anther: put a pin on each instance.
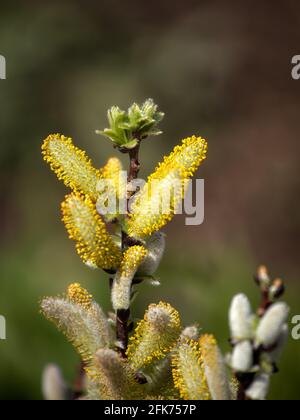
(71, 164)
(77, 294)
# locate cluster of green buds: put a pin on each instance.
(127, 129)
(258, 339)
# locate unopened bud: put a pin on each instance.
(242, 357)
(240, 318)
(53, 384)
(277, 289)
(262, 277)
(270, 326)
(282, 340)
(258, 391)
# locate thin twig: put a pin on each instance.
(265, 302)
(79, 384)
(123, 316)
(134, 163)
(122, 330)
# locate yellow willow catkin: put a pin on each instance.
(215, 369)
(186, 157)
(188, 371)
(81, 320)
(112, 190)
(154, 336)
(115, 377)
(121, 288)
(71, 165)
(158, 200)
(77, 294)
(94, 315)
(112, 171)
(93, 243)
(75, 323)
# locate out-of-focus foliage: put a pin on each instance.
(213, 68)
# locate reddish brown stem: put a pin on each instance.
(265, 302)
(134, 163)
(122, 330)
(123, 316)
(78, 388)
(245, 380)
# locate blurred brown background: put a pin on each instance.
(218, 69)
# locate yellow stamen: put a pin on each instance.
(77, 294)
